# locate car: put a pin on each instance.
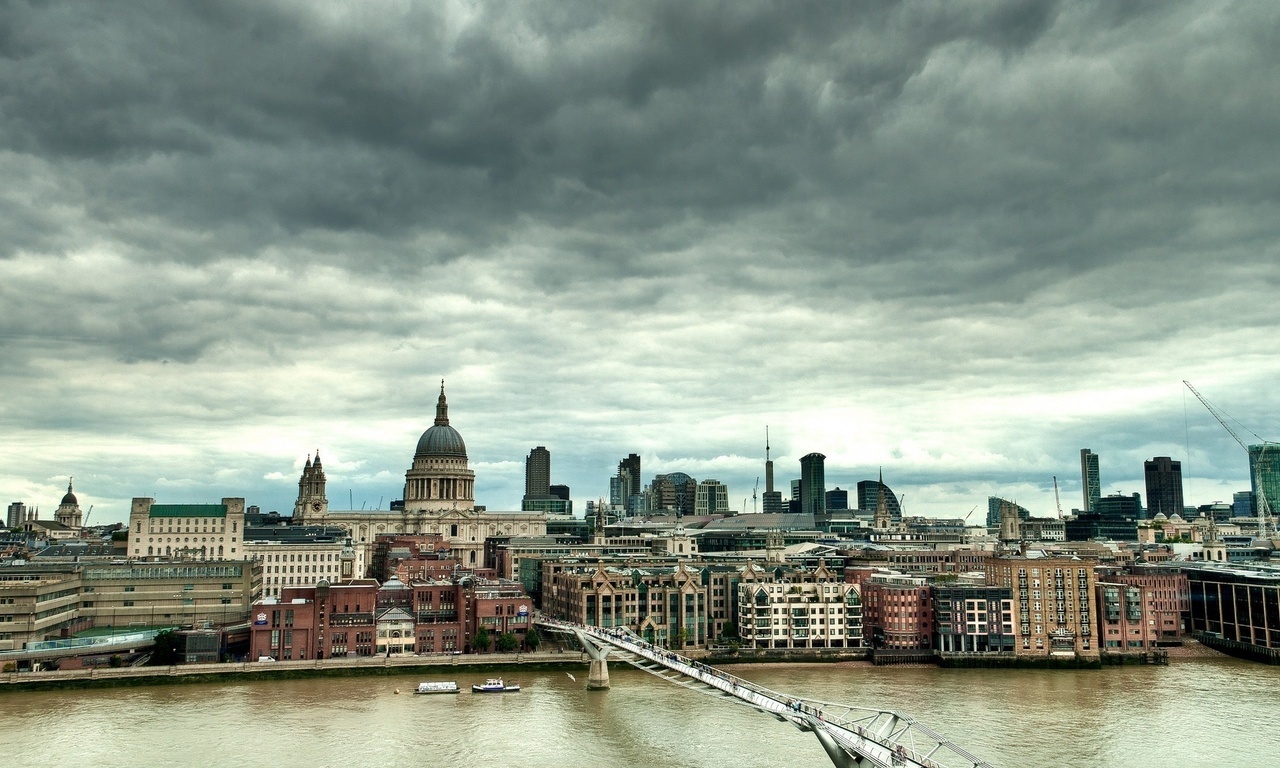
(265, 659)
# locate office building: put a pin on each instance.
(712, 498)
(837, 499)
(17, 515)
(537, 474)
(869, 496)
(1264, 475)
(1164, 486)
(1090, 480)
(1242, 504)
(813, 490)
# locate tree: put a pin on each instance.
(481, 640)
(507, 642)
(729, 630)
(166, 649)
(532, 639)
(682, 637)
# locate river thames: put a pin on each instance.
(1195, 712)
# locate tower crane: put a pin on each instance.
(754, 495)
(1056, 498)
(1263, 504)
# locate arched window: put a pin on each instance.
(148, 550)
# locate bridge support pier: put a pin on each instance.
(598, 674)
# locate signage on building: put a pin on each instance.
(523, 611)
(261, 621)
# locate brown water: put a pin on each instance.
(1199, 712)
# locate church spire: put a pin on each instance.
(442, 408)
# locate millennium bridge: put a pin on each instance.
(852, 736)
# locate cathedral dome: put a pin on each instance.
(441, 439)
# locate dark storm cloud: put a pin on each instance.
(960, 236)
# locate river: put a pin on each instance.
(1195, 712)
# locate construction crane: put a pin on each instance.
(1056, 498)
(966, 517)
(1262, 503)
(754, 496)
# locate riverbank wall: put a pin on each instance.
(183, 674)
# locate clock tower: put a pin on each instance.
(311, 506)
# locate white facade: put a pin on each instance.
(789, 615)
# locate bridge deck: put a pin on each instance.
(873, 737)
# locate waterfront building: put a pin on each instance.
(1234, 608)
(973, 618)
(187, 531)
(187, 593)
(1054, 600)
(438, 499)
(39, 606)
(1123, 622)
(665, 605)
(782, 614)
(1166, 596)
(897, 612)
(1090, 479)
(712, 498)
(1164, 485)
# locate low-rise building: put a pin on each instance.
(187, 531)
(897, 612)
(973, 618)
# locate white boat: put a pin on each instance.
(495, 685)
(438, 687)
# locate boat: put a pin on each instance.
(438, 687)
(495, 685)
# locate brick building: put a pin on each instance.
(1054, 603)
(897, 612)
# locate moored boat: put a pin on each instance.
(495, 685)
(438, 687)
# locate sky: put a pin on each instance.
(957, 240)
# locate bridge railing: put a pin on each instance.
(901, 735)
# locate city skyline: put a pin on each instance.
(958, 241)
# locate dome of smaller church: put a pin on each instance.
(70, 498)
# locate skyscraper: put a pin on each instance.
(1164, 486)
(17, 515)
(537, 474)
(1090, 480)
(837, 499)
(813, 484)
(869, 495)
(1264, 476)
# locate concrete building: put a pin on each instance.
(1090, 479)
(299, 561)
(712, 498)
(813, 484)
(153, 594)
(39, 606)
(187, 531)
(16, 516)
(1055, 604)
(537, 473)
(1164, 485)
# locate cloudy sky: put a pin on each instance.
(960, 240)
